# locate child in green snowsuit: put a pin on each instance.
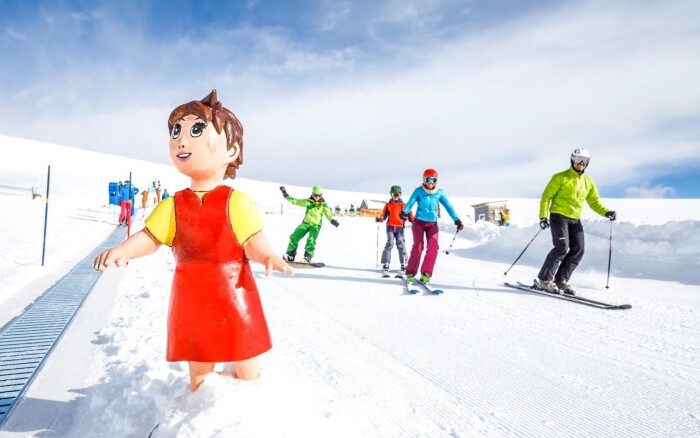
(316, 208)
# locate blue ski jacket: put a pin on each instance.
(428, 209)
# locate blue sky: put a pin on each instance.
(362, 95)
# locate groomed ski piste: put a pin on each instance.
(356, 355)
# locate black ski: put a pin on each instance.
(307, 265)
(571, 298)
(429, 288)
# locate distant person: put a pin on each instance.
(166, 195)
(36, 192)
(428, 198)
(316, 209)
(562, 200)
(144, 199)
(505, 218)
(125, 202)
(157, 199)
(215, 313)
(394, 230)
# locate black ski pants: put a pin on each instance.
(562, 260)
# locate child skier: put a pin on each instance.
(562, 200)
(215, 312)
(394, 230)
(316, 209)
(428, 197)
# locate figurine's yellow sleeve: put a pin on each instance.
(245, 218)
(242, 212)
(161, 222)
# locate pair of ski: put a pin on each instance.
(414, 290)
(571, 298)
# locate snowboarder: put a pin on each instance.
(562, 200)
(394, 230)
(428, 197)
(166, 195)
(316, 209)
(215, 312)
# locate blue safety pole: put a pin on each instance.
(46, 214)
(128, 222)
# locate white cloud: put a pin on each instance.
(658, 191)
(14, 34)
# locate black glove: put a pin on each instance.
(460, 225)
(403, 216)
(544, 223)
(284, 191)
(379, 219)
(335, 223)
(611, 215)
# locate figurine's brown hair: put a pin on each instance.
(211, 110)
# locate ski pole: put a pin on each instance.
(377, 255)
(521, 254)
(453, 241)
(607, 284)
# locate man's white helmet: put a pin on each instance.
(579, 155)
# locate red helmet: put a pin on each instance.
(430, 173)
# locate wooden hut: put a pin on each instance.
(489, 211)
(370, 208)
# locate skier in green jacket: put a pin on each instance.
(316, 209)
(562, 200)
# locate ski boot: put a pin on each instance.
(385, 270)
(547, 286)
(425, 278)
(289, 256)
(410, 278)
(402, 271)
(565, 287)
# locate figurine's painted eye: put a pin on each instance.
(197, 129)
(176, 131)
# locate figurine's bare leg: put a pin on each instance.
(198, 371)
(247, 369)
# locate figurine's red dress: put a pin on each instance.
(215, 311)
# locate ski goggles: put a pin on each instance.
(579, 160)
(430, 179)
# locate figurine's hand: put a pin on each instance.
(611, 215)
(403, 216)
(114, 256)
(284, 191)
(275, 263)
(379, 219)
(335, 223)
(459, 225)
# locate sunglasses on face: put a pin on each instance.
(316, 196)
(580, 160)
(430, 180)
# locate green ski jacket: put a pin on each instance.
(314, 210)
(566, 192)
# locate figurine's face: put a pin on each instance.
(198, 151)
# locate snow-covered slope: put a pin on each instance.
(354, 355)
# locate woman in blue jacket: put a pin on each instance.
(428, 197)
